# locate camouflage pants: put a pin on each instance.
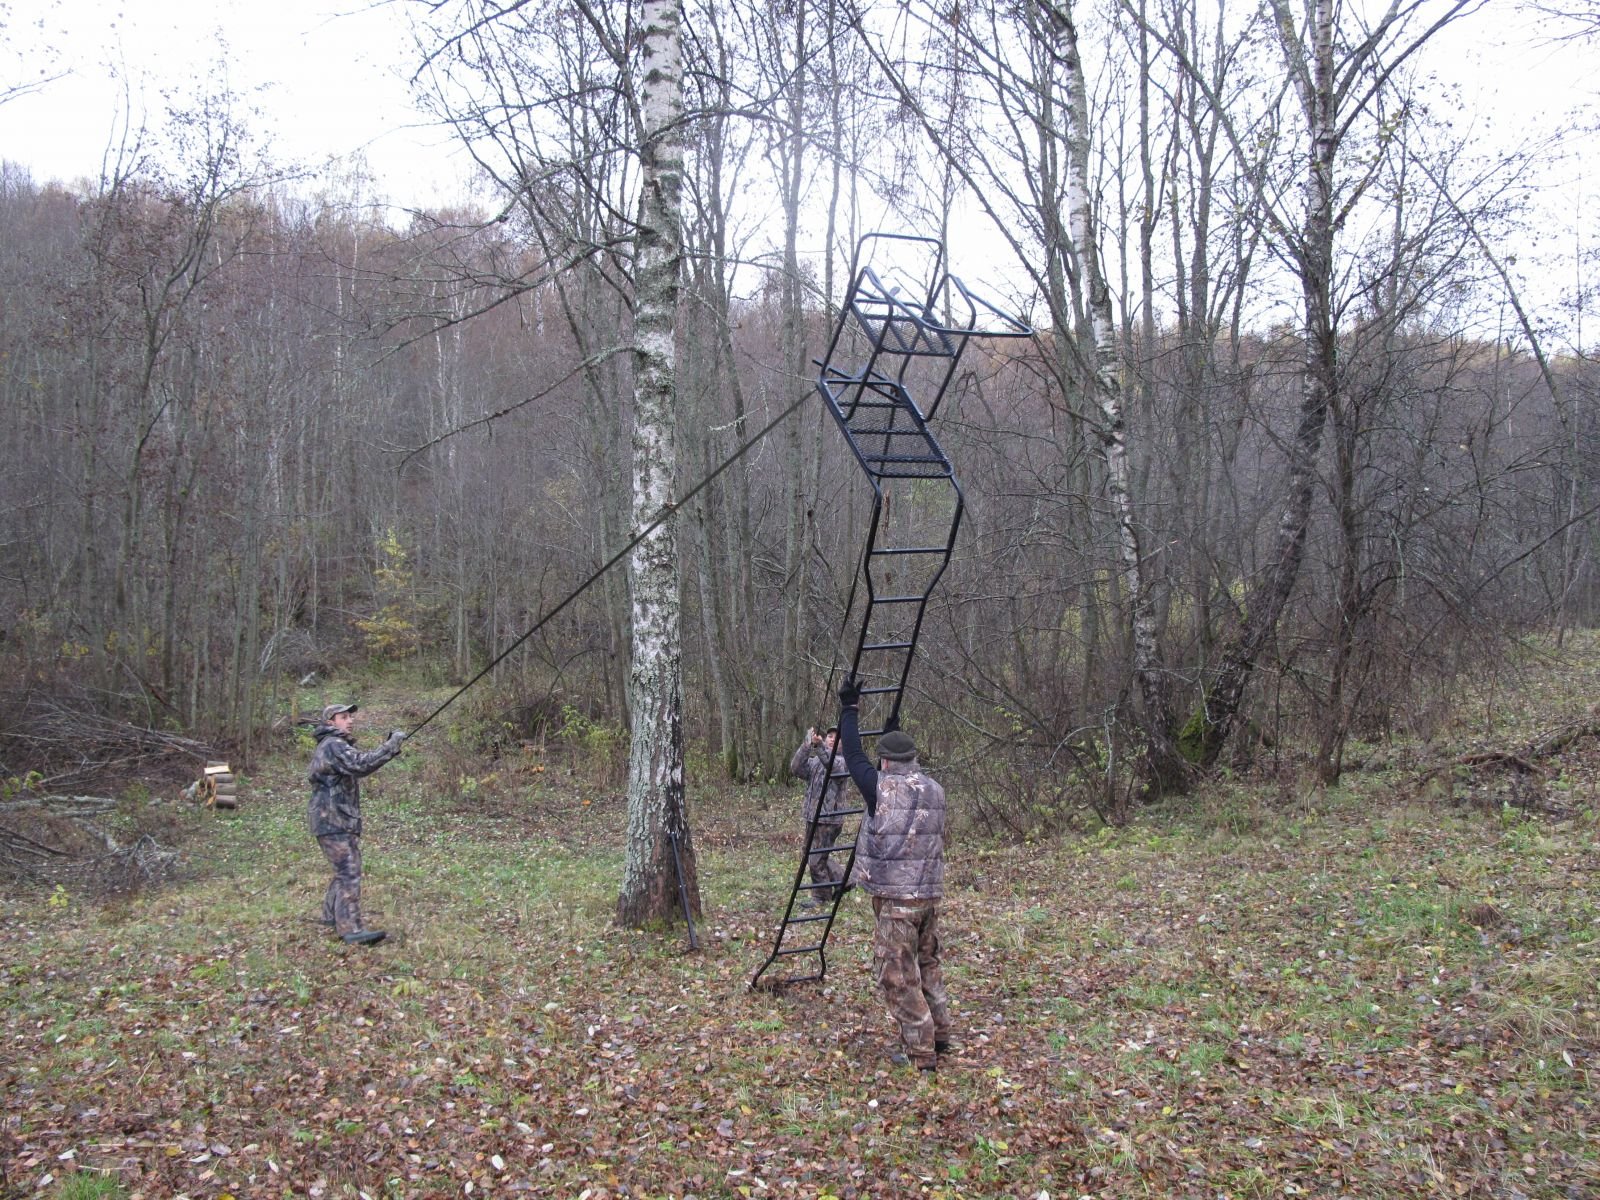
(825, 868)
(342, 903)
(905, 962)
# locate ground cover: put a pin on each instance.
(1386, 988)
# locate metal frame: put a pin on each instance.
(866, 389)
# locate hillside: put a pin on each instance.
(1383, 989)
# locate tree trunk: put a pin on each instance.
(1319, 102)
(1165, 766)
(658, 844)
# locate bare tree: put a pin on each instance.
(1334, 74)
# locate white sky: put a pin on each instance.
(334, 73)
(332, 70)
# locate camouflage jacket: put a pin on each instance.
(811, 764)
(335, 774)
(901, 853)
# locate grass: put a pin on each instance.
(1351, 992)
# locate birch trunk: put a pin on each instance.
(1164, 765)
(658, 827)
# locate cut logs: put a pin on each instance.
(216, 787)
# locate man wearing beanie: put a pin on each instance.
(900, 864)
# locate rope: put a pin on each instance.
(661, 518)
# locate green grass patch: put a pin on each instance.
(1262, 990)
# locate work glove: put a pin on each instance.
(397, 736)
(850, 692)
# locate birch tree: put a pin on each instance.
(547, 96)
(660, 853)
(1164, 765)
(1033, 177)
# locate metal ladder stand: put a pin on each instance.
(884, 344)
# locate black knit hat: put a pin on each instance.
(897, 746)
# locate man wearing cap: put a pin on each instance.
(900, 863)
(335, 812)
(812, 762)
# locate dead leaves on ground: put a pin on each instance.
(1356, 1001)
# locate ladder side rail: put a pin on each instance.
(778, 949)
(936, 265)
(978, 304)
(788, 910)
(790, 921)
(865, 568)
(928, 590)
(843, 318)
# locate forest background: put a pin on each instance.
(1287, 512)
(1293, 444)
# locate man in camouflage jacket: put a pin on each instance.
(812, 762)
(335, 813)
(900, 863)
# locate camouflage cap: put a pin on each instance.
(897, 746)
(333, 710)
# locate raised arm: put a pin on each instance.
(351, 761)
(855, 758)
(800, 761)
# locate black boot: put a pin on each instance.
(364, 937)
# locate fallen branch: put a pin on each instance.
(61, 806)
(1499, 758)
(1558, 741)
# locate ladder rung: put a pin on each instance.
(887, 646)
(902, 458)
(875, 428)
(778, 983)
(844, 380)
(909, 550)
(802, 949)
(878, 691)
(899, 599)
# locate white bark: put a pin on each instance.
(1111, 429)
(655, 760)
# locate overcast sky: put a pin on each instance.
(334, 74)
(333, 71)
